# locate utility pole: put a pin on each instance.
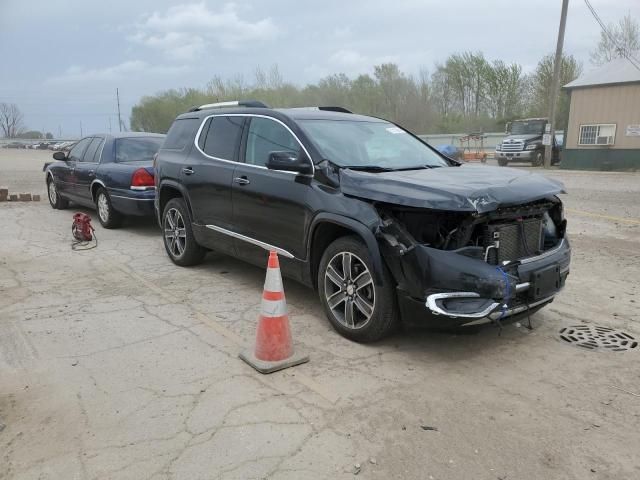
(118, 100)
(555, 86)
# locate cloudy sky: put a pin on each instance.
(63, 59)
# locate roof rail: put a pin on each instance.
(235, 103)
(327, 109)
(335, 109)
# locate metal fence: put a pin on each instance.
(490, 140)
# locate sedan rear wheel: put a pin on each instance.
(107, 215)
(356, 307)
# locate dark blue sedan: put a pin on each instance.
(112, 173)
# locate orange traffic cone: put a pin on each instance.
(274, 349)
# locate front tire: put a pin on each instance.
(55, 200)
(502, 162)
(356, 307)
(538, 159)
(107, 215)
(179, 241)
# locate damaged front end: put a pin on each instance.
(456, 268)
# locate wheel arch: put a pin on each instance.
(169, 190)
(95, 185)
(326, 228)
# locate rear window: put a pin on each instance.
(137, 149)
(179, 133)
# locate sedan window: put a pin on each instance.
(93, 151)
(76, 153)
(136, 149)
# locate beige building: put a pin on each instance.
(603, 132)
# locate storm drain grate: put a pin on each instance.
(593, 337)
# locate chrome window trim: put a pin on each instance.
(204, 120)
(266, 246)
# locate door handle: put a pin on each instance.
(242, 180)
(188, 171)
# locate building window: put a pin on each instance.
(597, 134)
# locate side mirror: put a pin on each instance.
(507, 128)
(290, 162)
(60, 156)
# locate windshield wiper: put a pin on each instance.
(419, 167)
(369, 168)
(377, 168)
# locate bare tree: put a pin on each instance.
(624, 40)
(11, 120)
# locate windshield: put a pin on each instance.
(533, 127)
(369, 144)
(136, 149)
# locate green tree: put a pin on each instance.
(30, 134)
(155, 113)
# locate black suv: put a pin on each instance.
(387, 229)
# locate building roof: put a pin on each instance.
(614, 72)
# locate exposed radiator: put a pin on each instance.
(516, 239)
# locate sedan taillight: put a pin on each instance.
(142, 180)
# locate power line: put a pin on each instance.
(634, 61)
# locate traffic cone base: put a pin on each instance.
(265, 366)
(274, 348)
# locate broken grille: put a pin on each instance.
(515, 240)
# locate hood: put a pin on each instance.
(467, 188)
(523, 137)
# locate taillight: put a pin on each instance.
(142, 179)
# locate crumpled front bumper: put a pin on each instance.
(447, 289)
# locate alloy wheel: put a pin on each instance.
(103, 207)
(53, 194)
(349, 290)
(174, 232)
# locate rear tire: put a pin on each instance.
(177, 235)
(55, 200)
(357, 308)
(107, 215)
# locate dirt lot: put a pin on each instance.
(116, 364)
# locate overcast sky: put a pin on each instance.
(62, 60)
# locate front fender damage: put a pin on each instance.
(422, 270)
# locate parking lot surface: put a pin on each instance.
(116, 364)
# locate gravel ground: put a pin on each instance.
(115, 364)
